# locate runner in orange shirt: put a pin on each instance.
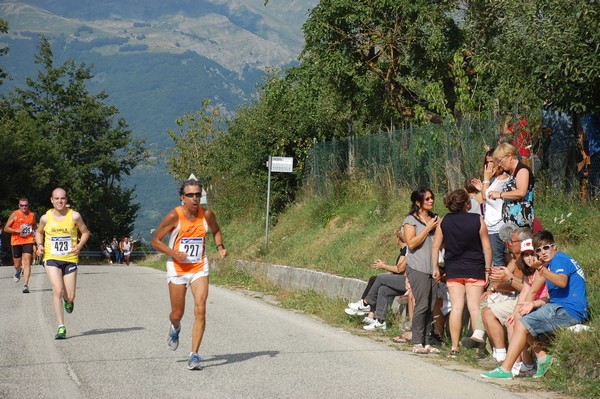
(187, 262)
(21, 226)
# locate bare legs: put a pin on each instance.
(457, 298)
(199, 290)
(62, 287)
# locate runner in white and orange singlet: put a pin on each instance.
(187, 262)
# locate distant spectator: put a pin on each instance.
(523, 138)
(475, 206)
(116, 252)
(590, 125)
(106, 251)
(562, 149)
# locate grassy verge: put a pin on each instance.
(343, 233)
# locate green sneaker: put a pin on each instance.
(498, 373)
(68, 306)
(543, 367)
(61, 333)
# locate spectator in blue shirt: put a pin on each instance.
(568, 306)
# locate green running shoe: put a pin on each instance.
(61, 333)
(543, 367)
(68, 306)
(498, 373)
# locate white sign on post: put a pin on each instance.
(276, 164)
(282, 164)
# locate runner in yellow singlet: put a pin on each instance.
(57, 239)
(187, 263)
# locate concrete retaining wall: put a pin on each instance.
(304, 279)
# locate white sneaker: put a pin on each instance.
(353, 312)
(375, 326)
(516, 368)
(359, 306)
(367, 320)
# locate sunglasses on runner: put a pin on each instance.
(191, 195)
(538, 250)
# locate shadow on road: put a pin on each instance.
(99, 331)
(220, 360)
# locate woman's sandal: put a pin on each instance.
(399, 340)
(418, 348)
(431, 349)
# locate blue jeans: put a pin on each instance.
(497, 250)
(547, 319)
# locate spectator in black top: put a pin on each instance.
(468, 253)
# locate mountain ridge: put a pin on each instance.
(157, 61)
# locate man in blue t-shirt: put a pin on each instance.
(567, 306)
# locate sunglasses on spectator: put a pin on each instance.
(24, 205)
(538, 250)
(191, 195)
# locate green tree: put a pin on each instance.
(195, 140)
(397, 50)
(67, 137)
(3, 50)
(527, 52)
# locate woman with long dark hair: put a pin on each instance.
(419, 226)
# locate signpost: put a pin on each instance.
(276, 164)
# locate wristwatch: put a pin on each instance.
(510, 281)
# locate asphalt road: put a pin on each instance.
(116, 348)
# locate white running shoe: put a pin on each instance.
(375, 326)
(353, 312)
(17, 275)
(173, 339)
(367, 320)
(516, 368)
(359, 306)
(194, 362)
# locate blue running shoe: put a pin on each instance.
(173, 339)
(194, 362)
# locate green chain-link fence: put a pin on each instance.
(440, 156)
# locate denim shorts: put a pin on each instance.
(498, 250)
(547, 319)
